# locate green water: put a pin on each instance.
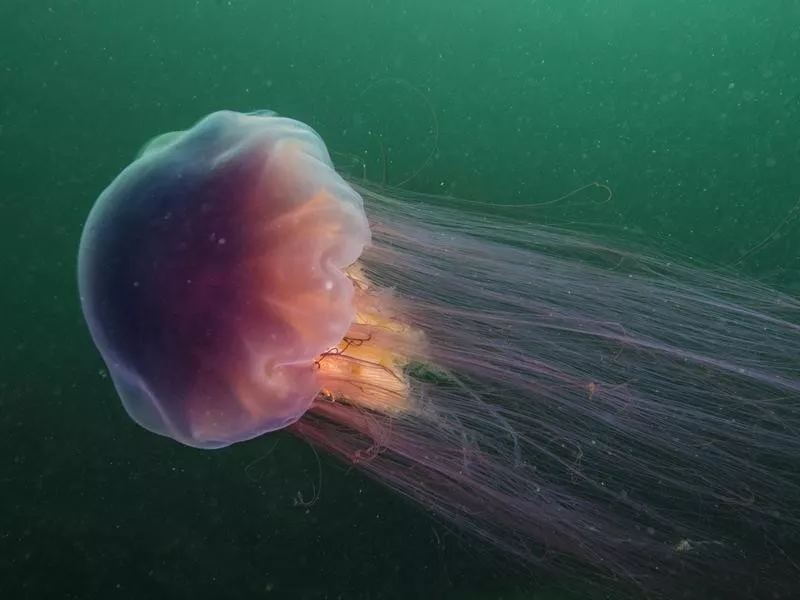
(688, 110)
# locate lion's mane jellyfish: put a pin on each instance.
(567, 401)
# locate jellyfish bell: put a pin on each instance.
(213, 274)
(548, 393)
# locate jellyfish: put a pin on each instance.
(568, 401)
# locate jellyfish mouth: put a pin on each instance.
(368, 368)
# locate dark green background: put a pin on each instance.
(689, 110)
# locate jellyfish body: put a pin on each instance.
(211, 276)
(543, 390)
